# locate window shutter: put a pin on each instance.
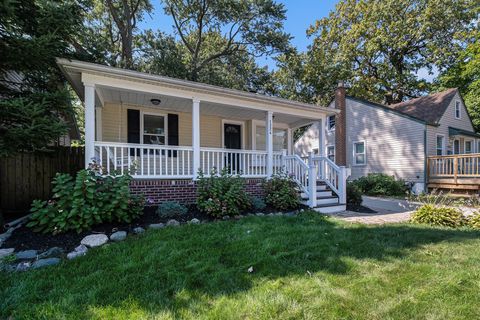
(172, 120)
(133, 126)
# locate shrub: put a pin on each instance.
(438, 216)
(87, 200)
(354, 195)
(473, 221)
(379, 184)
(281, 192)
(171, 209)
(221, 194)
(258, 204)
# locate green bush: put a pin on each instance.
(379, 184)
(281, 192)
(221, 194)
(87, 200)
(258, 204)
(438, 216)
(354, 195)
(473, 221)
(170, 209)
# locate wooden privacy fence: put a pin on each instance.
(28, 176)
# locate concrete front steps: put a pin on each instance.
(327, 200)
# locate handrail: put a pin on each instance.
(139, 145)
(298, 169)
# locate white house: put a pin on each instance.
(171, 128)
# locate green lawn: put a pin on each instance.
(305, 267)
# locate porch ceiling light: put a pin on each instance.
(155, 101)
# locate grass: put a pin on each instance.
(305, 267)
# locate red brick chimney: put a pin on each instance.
(340, 126)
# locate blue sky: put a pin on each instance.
(300, 15)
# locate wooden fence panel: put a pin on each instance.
(27, 176)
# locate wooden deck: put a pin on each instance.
(454, 172)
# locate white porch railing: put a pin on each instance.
(176, 162)
(157, 161)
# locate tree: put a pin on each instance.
(211, 30)
(113, 27)
(378, 47)
(465, 75)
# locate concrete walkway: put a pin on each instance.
(385, 211)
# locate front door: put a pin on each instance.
(232, 134)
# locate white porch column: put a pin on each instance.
(89, 123)
(98, 123)
(321, 138)
(196, 136)
(269, 142)
(290, 141)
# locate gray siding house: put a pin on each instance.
(396, 139)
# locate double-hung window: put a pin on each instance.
(468, 146)
(279, 138)
(440, 145)
(359, 153)
(154, 129)
(330, 123)
(457, 110)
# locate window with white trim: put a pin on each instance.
(457, 110)
(468, 146)
(279, 138)
(440, 145)
(331, 123)
(359, 153)
(154, 129)
(331, 153)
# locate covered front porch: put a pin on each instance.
(160, 128)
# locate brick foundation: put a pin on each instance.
(183, 191)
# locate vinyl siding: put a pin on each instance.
(394, 144)
(114, 126)
(448, 120)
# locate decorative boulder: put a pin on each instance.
(6, 252)
(45, 263)
(156, 226)
(173, 222)
(52, 252)
(118, 236)
(94, 240)
(23, 266)
(194, 221)
(26, 255)
(79, 251)
(138, 230)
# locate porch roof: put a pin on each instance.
(78, 72)
(460, 132)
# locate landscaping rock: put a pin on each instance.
(75, 254)
(290, 214)
(45, 263)
(260, 214)
(118, 236)
(94, 240)
(52, 252)
(81, 248)
(6, 252)
(238, 217)
(173, 223)
(23, 266)
(225, 218)
(156, 226)
(194, 221)
(26, 255)
(138, 230)
(279, 214)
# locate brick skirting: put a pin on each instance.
(183, 191)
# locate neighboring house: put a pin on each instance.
(14, 81)
(396, 140)
(169, 129)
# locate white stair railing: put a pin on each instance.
(296, 168)
(333, 175)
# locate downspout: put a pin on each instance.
(425, 173)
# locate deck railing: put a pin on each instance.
(454, 166)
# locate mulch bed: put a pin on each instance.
(24, 238)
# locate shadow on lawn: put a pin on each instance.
(173, 269)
